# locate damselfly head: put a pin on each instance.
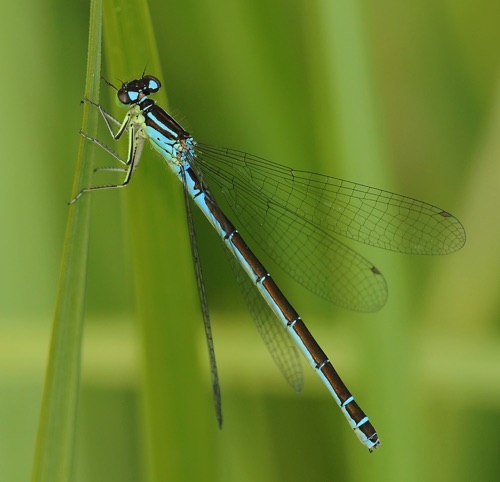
(134, 91)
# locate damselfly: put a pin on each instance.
(290, 214)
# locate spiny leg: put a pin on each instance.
(135, 150)
(108, 118)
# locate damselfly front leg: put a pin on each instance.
(136, 144)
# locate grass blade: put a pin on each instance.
(178, 415)
(56, 433)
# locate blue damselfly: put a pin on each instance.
(291, 215)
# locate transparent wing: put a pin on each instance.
(204, 309)
(276, 338)
(291, 213)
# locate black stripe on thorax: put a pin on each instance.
(160, 120)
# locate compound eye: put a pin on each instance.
(123, 96)
(152, 84)
(127, 96)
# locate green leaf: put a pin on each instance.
(178, 414)
(56, 433)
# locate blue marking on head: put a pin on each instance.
(153, 84)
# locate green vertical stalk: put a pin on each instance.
(54, 453)
(362, 140)
(178, 416)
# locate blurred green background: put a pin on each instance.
(402, 96)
